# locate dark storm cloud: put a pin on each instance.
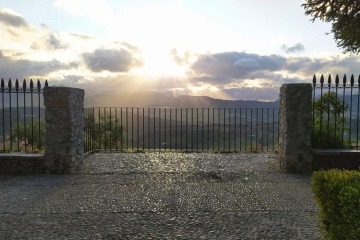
(24, 68)
(228, 66)
(12, 20)
(112, 60)
(55, 43)
(293, 49)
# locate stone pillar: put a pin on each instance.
(295, 151)
(64, 116)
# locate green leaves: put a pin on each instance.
(329, 125)
(345, 18)
(337, 194)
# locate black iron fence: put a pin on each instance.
(181, 129)
(336, 112)
(22, 127)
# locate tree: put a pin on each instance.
(104, 133)
(30, 135)
(329, 123)
(345, 18)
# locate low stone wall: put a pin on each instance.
(336, 158)
(11, 163)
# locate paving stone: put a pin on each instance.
(161, 196)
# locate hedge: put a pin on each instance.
(337, 193)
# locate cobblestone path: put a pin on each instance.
(161, 196)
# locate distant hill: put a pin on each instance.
(153, 99)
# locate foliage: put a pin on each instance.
(105, 132)
(30, 135)
(337, 194)
(345, 18)
(329, 123)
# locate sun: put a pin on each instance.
(159, 63)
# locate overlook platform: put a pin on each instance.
(161, 196)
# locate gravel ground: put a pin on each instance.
(161, 196)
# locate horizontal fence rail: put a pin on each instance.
(336, 112)
(22, 126)
(181, 129)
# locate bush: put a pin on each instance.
(337, 193)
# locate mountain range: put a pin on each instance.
(153, 99)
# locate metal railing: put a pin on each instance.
(181, 129)
(22, 127)
(336, 112)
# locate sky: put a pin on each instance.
(228, 49)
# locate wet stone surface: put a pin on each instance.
(161, 196)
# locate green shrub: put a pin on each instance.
(337, 194)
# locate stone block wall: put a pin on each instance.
(295, 152)
(64, 114)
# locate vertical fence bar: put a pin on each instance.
(262, 129)
(17, 113)
(10, 120)
(137, 129)
(328, 112)
(3, 111)
(267, 129)
(39, 124)
(154, 146)
(229, 129)
(313, 107)
(219, 122)
(165, 129)
(351, 95)
(143, 129)
(181, 129)
(336, 114)
(116, 130)
(357, 118)
(208, 128)
(246, 128)
(202, 129)
(343, 112)
(321, 107)
(176, 128)
(159, 128)
(32, 113)
(197, 129)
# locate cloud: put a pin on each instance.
(181, 60)
(228, 66)
(23, 68)
(55, 43)
(293, 49)
(10, 18)
(112, 60)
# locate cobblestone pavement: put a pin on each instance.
(161, 196)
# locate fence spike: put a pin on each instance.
(24, 85)
(322, 80)
(344, 79)
(314, 80)
(2, 85)
(329, 79)
(46, 83)
(352, 80)
(9, 84)
(38, 84)
(337, 80)
(17, 85)
(31, 84)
